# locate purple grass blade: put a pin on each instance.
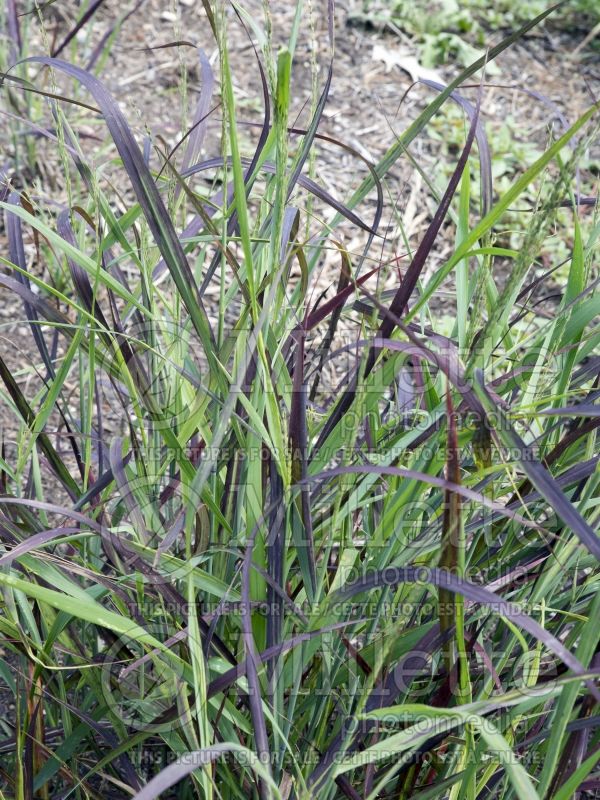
(485, 157)
(14, 30)
(29, 756)
(319, 314)
(299, 447)
(85, 18)
(99, 428)
(52, 508)
(50, 313)
(105, 479)
(198, 132)
(416, 266)
(37, 540)
(325, 346)
(580, 410)
(79, 275)
(187, 763)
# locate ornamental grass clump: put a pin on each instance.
(265, 535)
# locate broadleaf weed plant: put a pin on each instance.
(268, 537)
